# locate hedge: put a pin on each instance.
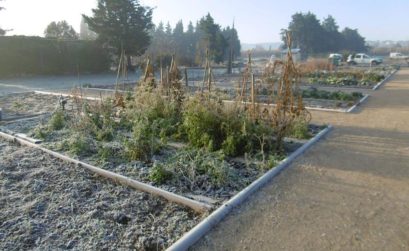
(21, 55)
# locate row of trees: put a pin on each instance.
(314, 37)
(60, 30)
(125, 25)
(190, 46)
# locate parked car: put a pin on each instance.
(398, 55)
(362, 58)
(335, 56)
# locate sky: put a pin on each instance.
(257, 21)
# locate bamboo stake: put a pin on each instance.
(253, 105)
(186, 78)
(195, 205)
(148, 62)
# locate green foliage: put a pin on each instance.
(107, 152)
(344, 78)
(97, 121)
(190, 46)
(299, 130)
(202, 121)
(308, 32)
(337, 95)
(80, 145)
(40, 133)
(122, 24)
(143, 143)
(60, 30)
(211, 38)
(159, 174)
(57, 121)
(209, 125)
(199, 167)
(271, 161)
(20, 55)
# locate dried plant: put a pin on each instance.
(313, 65)
(287, 97)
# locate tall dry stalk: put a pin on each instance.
(287, 96)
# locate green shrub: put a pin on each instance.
(40, 133)
(159, 174)
(143, 143)
(80, 145)
(199, 167)
(202, 120)
(273, 160)
(105, 134)
(106, 152)
(57, 121)
(299, 130)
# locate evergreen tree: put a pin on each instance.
(353, 41)
(307, 33)
(233, 42)
(122, 25)
(211, 39)
(332, 36)
(60, 30)
(179, 41)
(312, 37)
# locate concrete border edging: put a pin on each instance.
(65, 95)
(376, 87)
(316, 108)
(357, 104)
(144, 187)
(214, 218)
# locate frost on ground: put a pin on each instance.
(47, 204)
(27, 103)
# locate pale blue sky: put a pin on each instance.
(256, 20)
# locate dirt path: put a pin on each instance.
(349, 192)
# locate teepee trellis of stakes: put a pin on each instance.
(208, 74)
(248, 76)
(122, 74)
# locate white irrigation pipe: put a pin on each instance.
(376, 87)
(65, 95)
(208, 223)
(195, 205)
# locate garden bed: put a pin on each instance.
(48, 204)
(229, 175)
(316, 99)
(362, 79)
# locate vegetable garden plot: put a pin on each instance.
(48, 204)
(189, 144)
(190, 171)
(364, 79)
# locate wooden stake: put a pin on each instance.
(253, 104)
(195, 205)
(186, 79)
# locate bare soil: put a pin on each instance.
(349, 192)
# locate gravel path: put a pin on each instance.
(349, 192)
